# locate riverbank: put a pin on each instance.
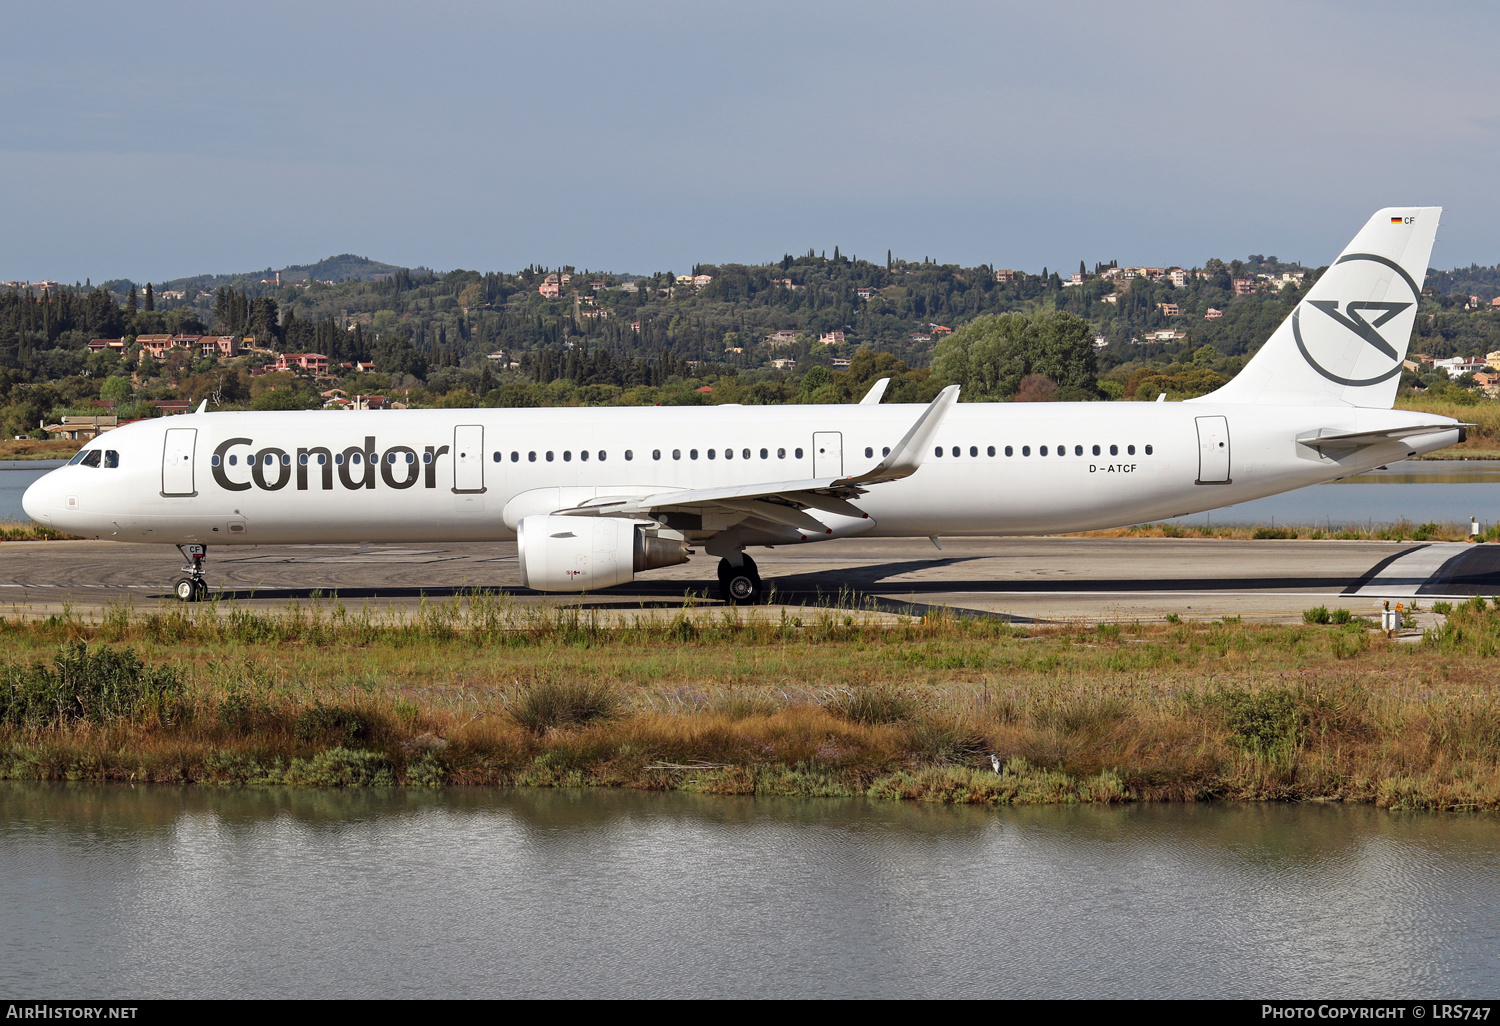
(830, 702)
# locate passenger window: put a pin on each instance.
(869, 452)
(583, 455)
(215, 461)
(629, 455)
(1009, 451)
(301, 458)
(798, 454)
(111, 459)
(955, 450)
(286, 460)
(601, 455)
(781, 454)
(497, 457)
(1148, 450)
(531, 457)
(692, 454)
(1114, 450)
(677, 454)
(323, 459)
(937, 450)
(992, 450)
(1077, 450)
(233, 460)
(1042, 451)
(1096, 450)
(549, 455)
(1062, 450)
(1026, 451)
(745, 454)
(765, 454)
(426, 458)
(1130, 449)
(338, 459)
(973, 450)
(354, 458)
(886, 451)
(656, 454)
(515, 457)
(411, 457)
(567, 455)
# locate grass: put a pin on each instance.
(1483, 440)
(34, 449)
(29, 530)
(818, 702)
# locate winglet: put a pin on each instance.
(202, 407)
(906, 456)
(876, 392)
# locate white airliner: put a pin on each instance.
(595, 496)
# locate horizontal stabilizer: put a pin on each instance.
(1359, 439)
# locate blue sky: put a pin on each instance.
(154, 140)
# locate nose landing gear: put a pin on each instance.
(739, 585)
(192, 588)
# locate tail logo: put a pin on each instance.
(1361, 318)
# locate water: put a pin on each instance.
(165, 892)
(15, 477)
(1420, 491)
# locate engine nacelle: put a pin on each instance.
(560, 553)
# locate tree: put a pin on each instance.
(990, 356)
(150, 298)
(116, 388)
(131, 302)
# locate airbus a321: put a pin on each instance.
(594, 497)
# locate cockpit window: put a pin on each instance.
(111, 459)
(78, 457)
(88, 458)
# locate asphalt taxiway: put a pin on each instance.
(1041, 578)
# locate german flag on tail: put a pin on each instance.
(1397, 220)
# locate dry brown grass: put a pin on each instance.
(845, 703)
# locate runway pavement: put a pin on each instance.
(1023, 578)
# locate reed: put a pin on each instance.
(819, 701)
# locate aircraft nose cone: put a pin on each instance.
(33, 501)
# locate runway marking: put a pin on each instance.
(1407, 573)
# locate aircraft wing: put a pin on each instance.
(784, 502)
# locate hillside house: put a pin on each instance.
(1243, 286)
(1005, 275)
(1168, 309)
(832, 338)
(784, 337)
(1213, 314)
(316, 363)
(1178, 277)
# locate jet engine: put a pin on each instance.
(561, 553)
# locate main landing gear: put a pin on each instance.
(739, 585)
(192, 588)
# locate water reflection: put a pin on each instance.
(157, 892)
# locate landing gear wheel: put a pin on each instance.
(739, 585)
(187, 590)
(201, 588)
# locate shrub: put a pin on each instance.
(548, 704)
(1274, 533)
(1265, 722)
(871, 705)
(1317, 614)
(97, 686)
(330, 724)
(1442, 608)
(1341, 616)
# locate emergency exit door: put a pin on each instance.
(177, 462)
(828, 454)
(1213, 450)
(468, 459)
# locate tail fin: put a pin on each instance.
(1344, 343)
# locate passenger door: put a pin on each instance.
(1213, 450)
(828, 454)
(177, 462)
